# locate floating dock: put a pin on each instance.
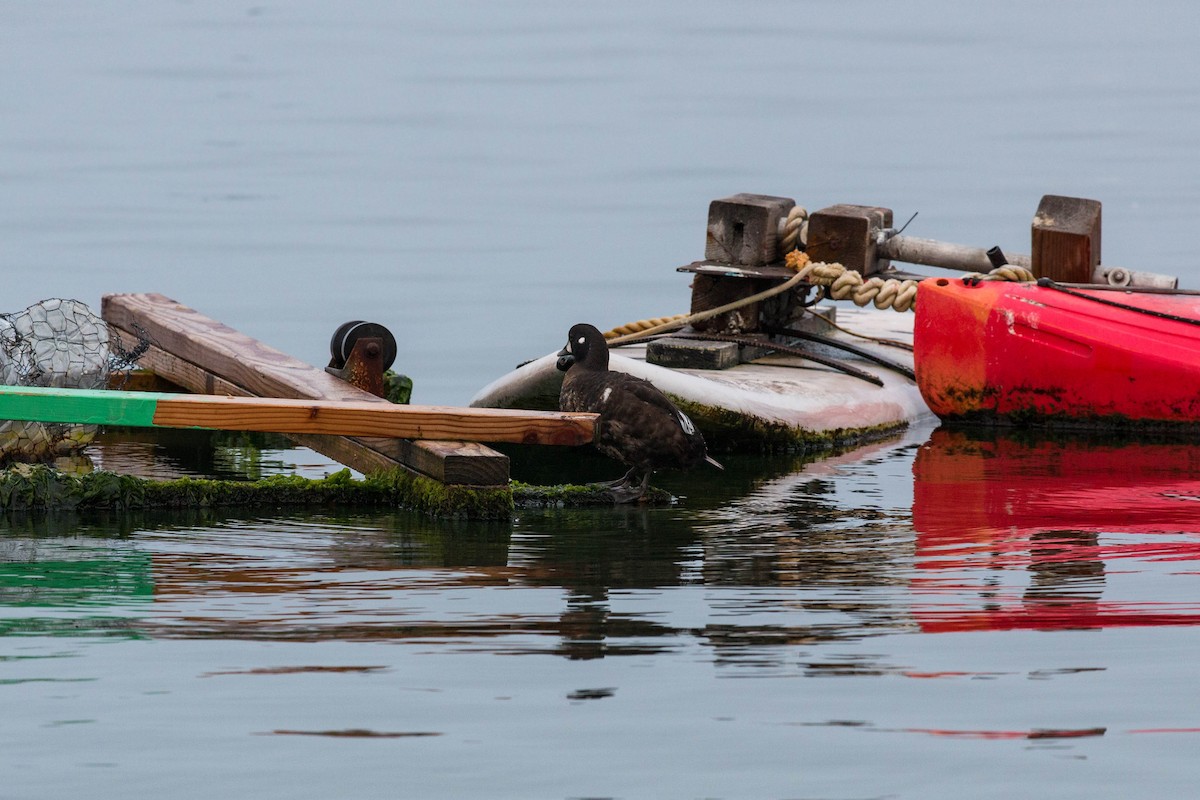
(756, 362)
(202, 355)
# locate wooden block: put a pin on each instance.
(744, 229)
(211, 358)
(1066, 239)
(846, 234)
(692, 353)
(713, 291)
(449, 462)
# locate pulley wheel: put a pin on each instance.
(348, 333)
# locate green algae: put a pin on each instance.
(40, 487)
(577, 496)
(727, 431)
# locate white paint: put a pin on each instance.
(803, 397)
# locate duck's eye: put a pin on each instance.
(580, 340)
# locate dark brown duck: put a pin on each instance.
(638, 425)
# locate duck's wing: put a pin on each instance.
(650, 394)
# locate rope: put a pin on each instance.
(847, 284)
(1005, 272)
(840, 283)
(687, 319)
(793, 231)
(1050, 284)
(640, 325)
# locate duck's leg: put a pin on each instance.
(624, 479)
(619, 482)
(630, 493)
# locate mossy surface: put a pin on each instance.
(732, 431)
(577, 496)
(40, 487)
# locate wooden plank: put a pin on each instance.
(258, 368)
(224, 357)
(357, 455)
(361, 456)
(449, 462)
(281, 415)
(1066, 239)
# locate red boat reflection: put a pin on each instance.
(1054, 534)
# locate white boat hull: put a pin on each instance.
(778, 401)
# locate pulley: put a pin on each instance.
(349, 333)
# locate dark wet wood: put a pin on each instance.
(1066, 239)
(206, 356)
(845, 234)
(744, 229)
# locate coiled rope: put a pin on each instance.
(793, 233)
(847, 284)
(840, 284)
(681, 320)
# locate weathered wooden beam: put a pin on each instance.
(467, 463)
(692, 353)
(366, 457)
(846, 234)
(744, 229)
(281, 415)
(1066, 239)
(213, 357)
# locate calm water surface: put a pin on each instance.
(931, 617)
(926, 617)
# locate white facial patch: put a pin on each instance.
(580, 340)
(686, 424)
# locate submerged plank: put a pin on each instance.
(279, 415)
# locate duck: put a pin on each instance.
(638, 426)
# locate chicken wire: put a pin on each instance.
(63, 344)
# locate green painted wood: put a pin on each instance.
(79, 406)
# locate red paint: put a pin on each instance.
(1001, 348)
(1014, 535)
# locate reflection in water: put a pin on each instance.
(992, 512)
(164, 454)
(812, 582)
(770, 568)
(769, 562)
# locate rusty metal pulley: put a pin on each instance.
(349, 333)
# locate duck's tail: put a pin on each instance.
(714, 462)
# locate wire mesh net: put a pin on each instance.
(63, 344)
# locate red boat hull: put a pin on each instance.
(1017, 352)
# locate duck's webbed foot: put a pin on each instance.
(628, 491)
(619, 482)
